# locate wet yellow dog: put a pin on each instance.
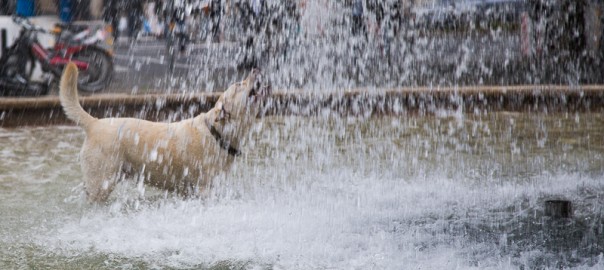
(180, 156)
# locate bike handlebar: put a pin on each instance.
(25, 23)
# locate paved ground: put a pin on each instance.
(143, 66)
(334, 62)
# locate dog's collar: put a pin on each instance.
(223, 143)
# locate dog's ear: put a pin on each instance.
(222, 115)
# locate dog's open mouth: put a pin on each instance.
(260, 89)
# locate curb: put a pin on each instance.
(356, 102)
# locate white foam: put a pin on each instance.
(410, 195)
(340, 221)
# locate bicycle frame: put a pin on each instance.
(18, 64)
(54, 60)
(60, 58)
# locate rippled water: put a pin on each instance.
(451, 191)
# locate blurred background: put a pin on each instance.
(205, 45)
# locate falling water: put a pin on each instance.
(471, 43)
(445, 190)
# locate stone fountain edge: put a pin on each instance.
(46, 110)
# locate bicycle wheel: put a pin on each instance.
(100, 69)
(17, 67)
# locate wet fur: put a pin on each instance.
(181, 156)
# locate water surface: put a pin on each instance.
(449, 191)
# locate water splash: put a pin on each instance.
(447, 191)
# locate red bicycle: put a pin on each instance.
(18, 62)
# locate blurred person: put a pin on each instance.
(122, 24)
(111, 15)
(292, 18)
(179, 28)
(215, 17)
(377, 8)
(161, 25)
(358, 27)
(393, 18)
(256, 6)
(254, 13)
(151, 23)
(284, 27)
(135, 14)
(301, 10)
(390, 27)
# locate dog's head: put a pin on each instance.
(239, 105)
(246, 95)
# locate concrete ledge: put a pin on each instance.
(172, 107)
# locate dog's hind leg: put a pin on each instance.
(100, 176)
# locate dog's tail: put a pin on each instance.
(68, 94)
